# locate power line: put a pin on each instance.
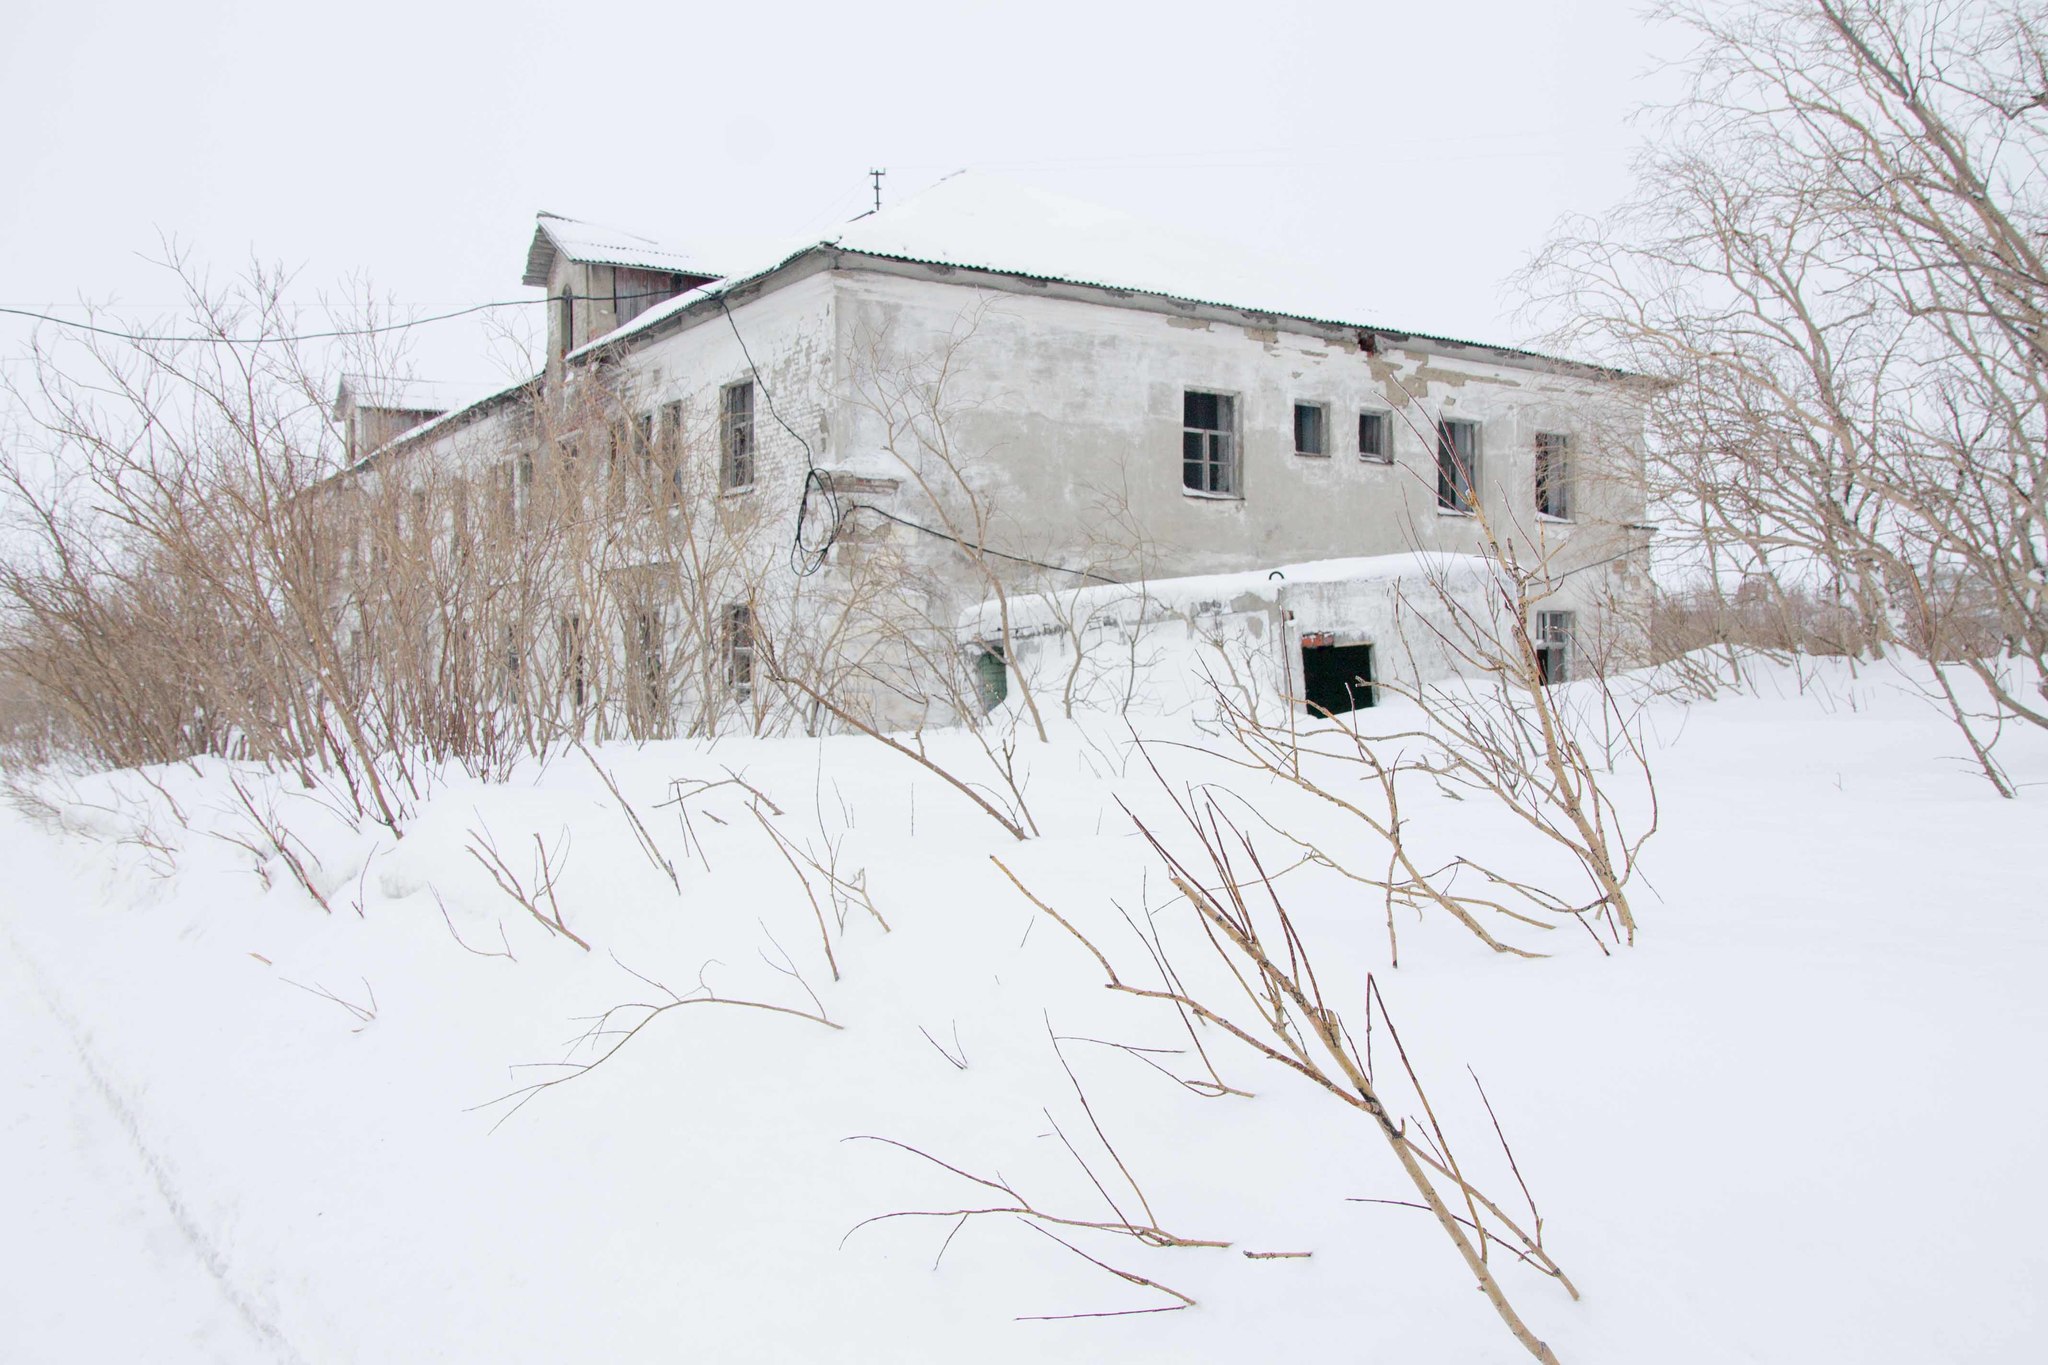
(324, 336)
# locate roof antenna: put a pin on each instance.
(877, 174)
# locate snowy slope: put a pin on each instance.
(1795, 1124)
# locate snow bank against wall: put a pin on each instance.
(1158, 646)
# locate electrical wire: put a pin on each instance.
(320, 336)
(804, 559)
(978, 549)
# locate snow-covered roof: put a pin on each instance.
(597, 244)
(991, 223)
(453, 417)
(973, 220)
(408, 395)
(1200, 594)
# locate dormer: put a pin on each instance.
(600, 278)
(373, 410)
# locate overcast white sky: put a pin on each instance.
(1414, 152)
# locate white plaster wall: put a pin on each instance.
(1074, 402)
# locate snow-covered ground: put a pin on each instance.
(1801, 1121)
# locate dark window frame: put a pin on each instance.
(1457, 470)
(738, 627)
(1381, 449)
(736, 436)
(1554, 643)
(1553, 473)
(1317, 430)
(1211, 466)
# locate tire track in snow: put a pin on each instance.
(211, 1258)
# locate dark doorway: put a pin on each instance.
(1337, 678)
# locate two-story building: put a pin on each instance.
(1019, 393)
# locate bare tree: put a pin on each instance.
(1834, 267)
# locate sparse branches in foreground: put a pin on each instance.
(620, 1024)
(1266, 994)
(1128, 1210)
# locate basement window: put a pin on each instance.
(736, 435)
(1311, 429)
(1457, 465)
(1375, 438)
(1554, 475)
(1208, 443)
(1553, 642)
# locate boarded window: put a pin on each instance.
(1457, 465)
(1553, 474)
(1375, 441)
(1311, 436)
(736, 435)
(1208, 443)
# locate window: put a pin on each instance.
(645, 644)
(1553, 474)
(1375, 441)
(672, 447)
(1457, 465)
(574, 677)
(567, 306)
(1311, 421)
(1208, 443)
(507, 501)
(643, 443)
(739, 647)
(736, 435)
(1553, 642)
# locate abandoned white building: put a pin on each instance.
(1030, 396)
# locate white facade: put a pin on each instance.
(978, 418)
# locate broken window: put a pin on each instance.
(1375, 441)
(1553, 474)
(736, 435)
(1457, 465)
(739, 647)
(1208, 443)
(1553, 642)
(1311, 421)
